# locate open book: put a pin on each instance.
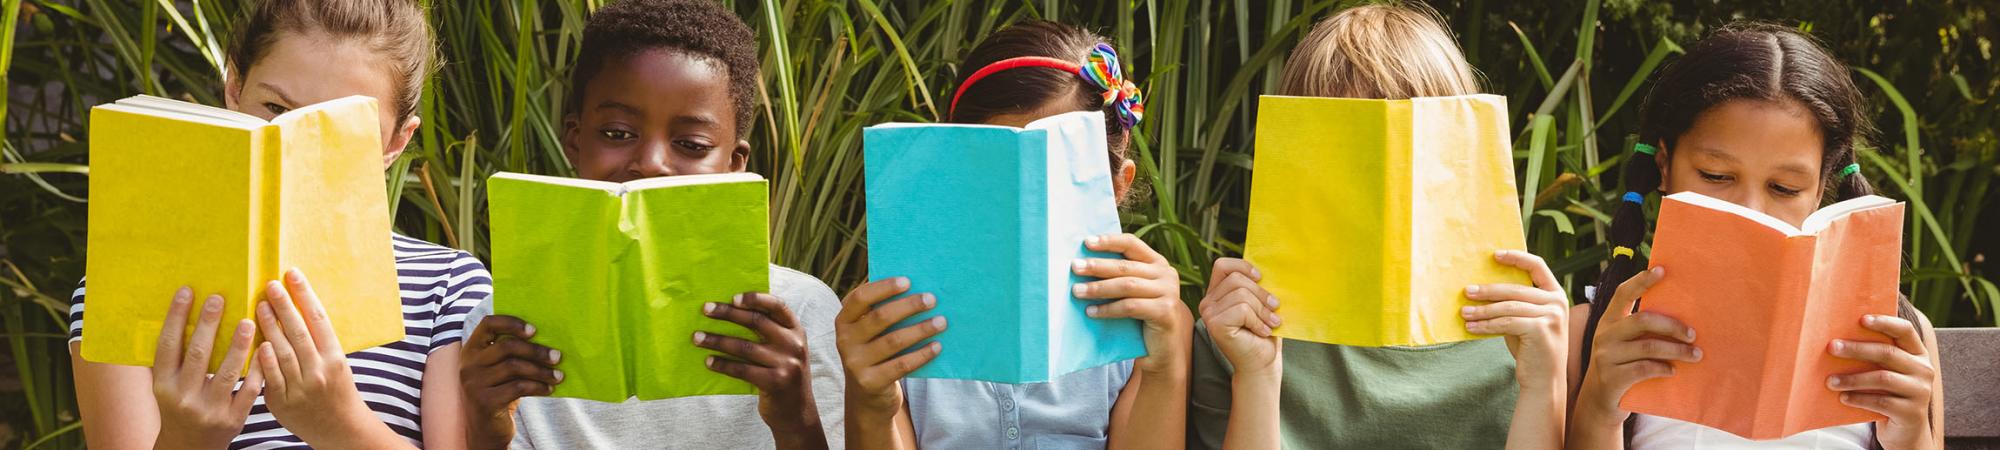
(223, 202)
(614, 275)
(1368, 218)
(1766, 299)
(988, 219)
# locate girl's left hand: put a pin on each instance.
(1535, 319)
(308, 385)
(1900, 390)
(1142, 286)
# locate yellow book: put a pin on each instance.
(223, 202)
(1368, 218)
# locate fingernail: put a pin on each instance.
(1697, 354)
(273, 289)
(1078, 265)
(709, 361)
(937, 322)
(1839, 346)
(559, 376)
(1090, 311)
(1833, 382)
(555, 356)
(1868, 319)
(1077, 290)
(1091, 241)
(184, 295)
(213, 304)
(700, 336)
(1471, 290)
(707, 308)
(1466, 312)
(293, 275)
(1271, 302)
(1690, 335)
(902, 283)
(1658, 270)
(1275, 320)
(929, 300)
(1254, 273)
(529, 330)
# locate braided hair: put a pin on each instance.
(1742, 61)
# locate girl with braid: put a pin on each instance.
(1761, 116)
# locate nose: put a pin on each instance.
(651, 161)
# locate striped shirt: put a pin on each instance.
(439, 286)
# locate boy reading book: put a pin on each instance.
(665, 88)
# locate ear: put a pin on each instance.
(400, 140)
(1121, 183)
(571, 124)
(739, 159)
(1661, 160)
(232, 88)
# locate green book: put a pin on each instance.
(614, 275)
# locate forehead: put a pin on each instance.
(1781, 135)
(311, 68)
(663, 76)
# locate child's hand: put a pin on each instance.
(1900, 390)
(309, 388)
(869, 350)
(497, 366)
(1535, 320)
(198, 410)
(1142, 286)
(1240, 316)
(777, 365)
(1630, 347)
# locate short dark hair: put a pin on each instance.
(699, 28)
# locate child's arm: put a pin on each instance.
(444, 399)
(1239, 315)
(877, 418)
(308, 385)
(1534, 320)
(776, 365)
(1905, 388)
(1143, 286)
(115, 402)
(1629, 347)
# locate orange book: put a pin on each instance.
(1766, 300)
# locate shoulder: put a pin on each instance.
(805, 294)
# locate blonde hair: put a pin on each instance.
(1379, 51)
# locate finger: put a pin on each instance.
(862, 299)
(1538, 270)
(292, 326)
(888, 345)
(1143, 309)
(1508, 309)
(510, 349)
(1124, 244)
(756, 321)
(167, 354)
(1220, 292)
(195, 363)
(253, 385)
(1112, 268)
(1509, 326)
(1884, 404)
(1258, 305)
(1226, 266)
(772, 307)
(1881, 381)
(268, 366)
(1650, 323)
(1898, 329)
(313, 312)
(1641, 370)
(1622, 352)
(900, 366)
(759, 376)
(525, 388)
(877, 321)
(1888, 356)
(520, 369)
(1629, 292)
(233, 359)
(284, 358)
(1239, 316)
(1500, 292)
(1117, 288)
(740, 348)
(492, 328)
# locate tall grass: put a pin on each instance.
(1572, 71)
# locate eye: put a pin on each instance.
(1785, 191)
(617, 135)
(275, 108)
(1714, 177)
(693, 146)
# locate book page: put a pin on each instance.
(332, 219)
(1463, 209)
(690, 245)
(554, 260)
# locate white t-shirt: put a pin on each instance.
(1651, 432)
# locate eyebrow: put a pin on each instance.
(1794, 167)
(615, 105)
(281, 93)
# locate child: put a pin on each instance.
(303, 391)
(1761, 116)
(665, 88)
(1132, 404)
(1475, 394)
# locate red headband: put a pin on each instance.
(1012, 63)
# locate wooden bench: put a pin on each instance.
(1971, 361)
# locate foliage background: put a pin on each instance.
(1573, 71)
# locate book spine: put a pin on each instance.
(1405, 324)
(1036, 288)
(1786, 346)
(267, 159)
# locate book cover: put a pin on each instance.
(988, 219)
(1766, 300)
(223, 202)
(1368, 218)
(615, 274)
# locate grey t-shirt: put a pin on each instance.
(707, 422)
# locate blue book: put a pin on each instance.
(988, 219)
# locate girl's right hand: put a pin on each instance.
(1239, 316)
(198, 410)
(1628, 348)
(869, 350)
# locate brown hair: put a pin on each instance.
(1026, 89)
(395, 29)
(1380, 52)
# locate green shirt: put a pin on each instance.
(1449, 396)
